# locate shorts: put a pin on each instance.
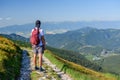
(38, 49)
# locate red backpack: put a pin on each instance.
(34, 39)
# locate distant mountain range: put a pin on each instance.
(16, 37)
(58, 27)
(87, 40)
(84, 40)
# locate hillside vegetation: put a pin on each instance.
(10, 58)
(87, 40)
(17, 39)
(93, 43)
(111, 64)
(77, 72)
(75, 57)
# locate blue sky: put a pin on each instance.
(27, 11)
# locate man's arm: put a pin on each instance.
(43, 41)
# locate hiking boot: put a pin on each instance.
(36, 68)
(41, 69)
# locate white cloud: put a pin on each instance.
(8, 18)
(1, 18)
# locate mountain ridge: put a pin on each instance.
(59, 27)
(106, 38)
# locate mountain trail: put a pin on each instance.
(62, 75)
(51, 72)
(25, 67)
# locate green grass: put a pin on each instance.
(112, 64)
(112, 75)
(77, 72)
(10, 59)
(75, 58)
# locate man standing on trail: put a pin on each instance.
(38, 44)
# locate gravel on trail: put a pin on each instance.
(26, 68)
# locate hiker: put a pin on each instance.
(38, 44)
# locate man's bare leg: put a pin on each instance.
(34, 60)
(40, 59)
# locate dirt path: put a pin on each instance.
(62, 75)
(25, 68)
(51, 71)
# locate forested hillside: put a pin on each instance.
(10, 59)
(110, 64)
(77, 72)
(87, 40)
(76, 58)
(17, 39)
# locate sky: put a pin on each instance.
(17, 12)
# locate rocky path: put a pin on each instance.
(62, 75)
(25, 68)
(52, 72)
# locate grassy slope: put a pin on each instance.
(75, 57)
(112, 64)
(77, 72)
(10, 57)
